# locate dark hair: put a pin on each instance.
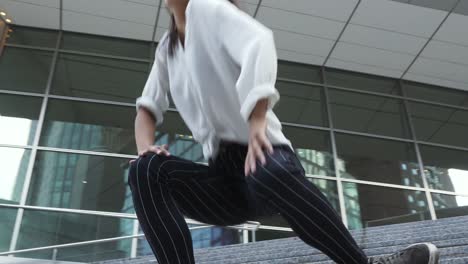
(174, 36)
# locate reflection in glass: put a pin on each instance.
(368, 206)
(14, 163)
(299, 71)
(438, 124)
(110, 128)
(301, 104)
(175, 133)
(362, 81)
(329, 189)
(449, 205)
(33, 36)
(80, 181)
(18, 124)
(445, 169)
(16, 63)
(181, 145)
(99, 78)
(379, 160)
(313, 149)
(60, 228)
(368, 114)
(7, 223)
(105, 45)
(436, 93)
(89, 126)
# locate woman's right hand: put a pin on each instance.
(154, 148)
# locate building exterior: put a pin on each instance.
(383, 150)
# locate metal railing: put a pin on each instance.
(251, 226)
(76, 244)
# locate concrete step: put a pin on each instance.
(373, 237)
(298, 257)
(296, 245)
(450, 235)
(457, 253)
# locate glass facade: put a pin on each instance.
(61, 228)
(16, 63)
(368, 206)
(14, 165)
(368, 114)
(88, 126)
(379, 160)
(7, 220)
(80, 181)
(382, 150)
(18, 123)
(99, 78)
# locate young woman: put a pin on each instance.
(219, 65)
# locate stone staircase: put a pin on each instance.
(449, 234)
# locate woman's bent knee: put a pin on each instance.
(141, 169)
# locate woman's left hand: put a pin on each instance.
(258, 142)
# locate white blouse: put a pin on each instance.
(228, 63)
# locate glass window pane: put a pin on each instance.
(105, 45)
(301, 104)
(18, 124)
(368, 114)
(436, 93)
(16, 63)
(80, 181)
(99, 78)
(378, 160)
(60, 228)
(110, 128)
(313, 149)
(449, 205)
(440, 124)
(361, 81)
(175, 133)
(328, 188)
(33, 36)
(89, 126)
(7, 222)
(445, 169)
(299, 72)
(368, 206)
(14, 163)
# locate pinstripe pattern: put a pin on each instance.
(160, 207)
(167, 188)
(139, 202)
(344, 232)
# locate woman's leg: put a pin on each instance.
(165, 188)
(282, 181)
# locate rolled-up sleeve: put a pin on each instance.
(154, 97)
(251, 45)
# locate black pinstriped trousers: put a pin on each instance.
(167, 188)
